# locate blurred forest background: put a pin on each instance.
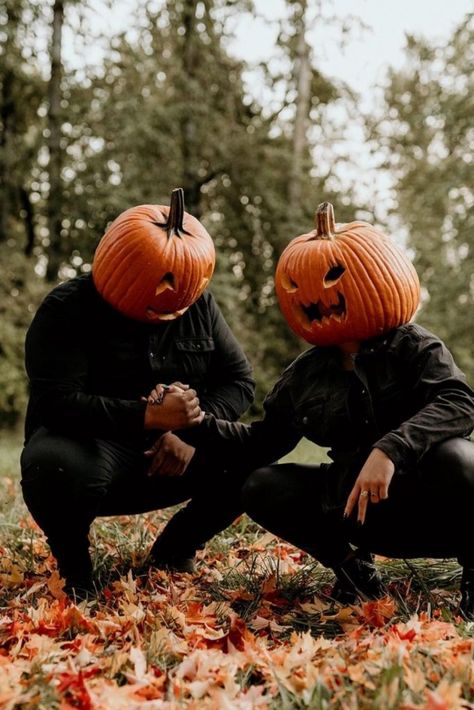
(168, 106)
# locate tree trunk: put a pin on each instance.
(303, 100)
(54, 145)
(7, 118)
(29, 221)
(191, 184)
(7, 114)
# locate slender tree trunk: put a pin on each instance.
(29, 221)
(303, 101)
(7, 119)
(7, 114)
(54, 145)
(191, 182)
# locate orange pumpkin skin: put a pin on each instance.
(154, 261)
(345, 283)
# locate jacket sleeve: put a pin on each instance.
(57, 365)
(231, 387)
(237, 445)
(446, 401)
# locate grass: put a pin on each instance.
(258, 610)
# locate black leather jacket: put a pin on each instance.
(404, 395)
(89, 366)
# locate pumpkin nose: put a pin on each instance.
(167, 283)
(333, 275)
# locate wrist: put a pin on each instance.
(152, 419)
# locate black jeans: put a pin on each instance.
(67, 483)
(429, 512)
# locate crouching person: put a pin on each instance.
(97, 346)
(387, 399)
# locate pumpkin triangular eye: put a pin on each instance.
(207, 277)
(167, 283)
(333, 275)
(288, 283)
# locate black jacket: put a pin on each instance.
(404, 395)
(89, 366)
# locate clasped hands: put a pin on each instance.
(174, 406)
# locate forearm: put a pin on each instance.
(238, 445)
(450, 414)
(228, 400)
(78, 413)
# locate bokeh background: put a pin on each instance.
(259, 110)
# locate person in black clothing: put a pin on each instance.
(88, 424)
(395, 413)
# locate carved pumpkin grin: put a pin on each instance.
(319, 312)
(153, 315)
(343, 283)
(154, 261)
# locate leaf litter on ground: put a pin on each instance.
(254, 628)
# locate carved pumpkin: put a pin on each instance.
(344, 283)
(154, 261)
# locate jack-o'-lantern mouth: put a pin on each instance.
(317, 313)
(153, 315)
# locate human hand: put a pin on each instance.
(170, 456)
(172, 407)
(158, 392)
(371, 483)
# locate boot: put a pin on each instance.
(172, 563)
(357, 578)
(75, 567)
(466, 606)
(170, 557)
(79, 590)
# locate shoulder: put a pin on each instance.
(71, 301)
(307, 367)
(75, 291)
(311, 362)
(411, 335)
(207, 303)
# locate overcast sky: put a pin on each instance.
(368, 53)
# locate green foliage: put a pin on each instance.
(427, 131)
(21, 93)
(166, 106)
(20, 294)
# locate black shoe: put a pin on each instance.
(75, 567)
(80, 589)
(172, 563)
(168, 553)
(466, 606)
(357, 578)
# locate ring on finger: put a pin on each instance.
(364, 494)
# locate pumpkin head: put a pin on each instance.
(344, 283)
(154, 261)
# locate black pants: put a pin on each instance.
(67, 483)
(429, 512)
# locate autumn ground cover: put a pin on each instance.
(254, 628)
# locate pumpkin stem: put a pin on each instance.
(325, 222)
(174, 225)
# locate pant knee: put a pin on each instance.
(453, 461)
(57, 472)
(263, 494)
